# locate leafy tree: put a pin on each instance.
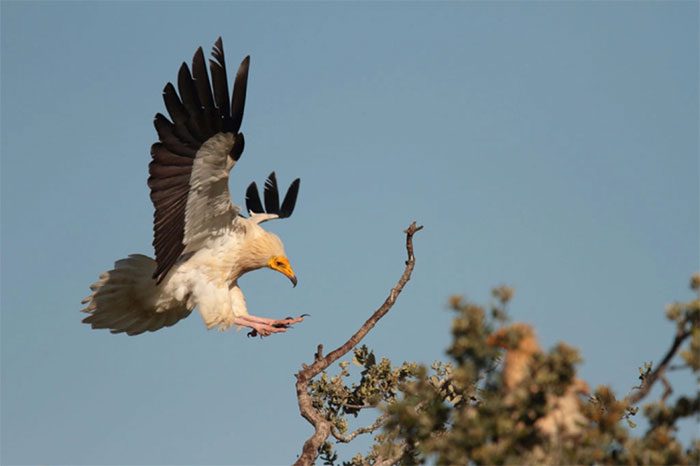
(498, 399)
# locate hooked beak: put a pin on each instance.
(281, 264)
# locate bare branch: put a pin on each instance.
(649, 380)
(668, 389)
(323, 427)
(358, 407)
(379, 422)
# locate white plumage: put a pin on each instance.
(203, 243)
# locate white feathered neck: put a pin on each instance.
(257, 248)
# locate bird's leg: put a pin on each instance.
(258, 328)
(265, 320)
(263, 326)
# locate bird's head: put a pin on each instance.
(265, 249)
(281, 264)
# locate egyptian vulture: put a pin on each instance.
(202, 242)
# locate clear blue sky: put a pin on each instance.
(550, 146)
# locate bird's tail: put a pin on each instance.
(124, 299)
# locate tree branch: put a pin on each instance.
(323, 427)
(668, 389)
(681, 334)
(393, 459)
(362, 430)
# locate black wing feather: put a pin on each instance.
(290, 199)
(179, 116)
(271, 193)
(252, 199)
(219, 81)
(168, 136)
(239, 92)
(201, 81)
(272, 197)
(188, 94)
(238, 146)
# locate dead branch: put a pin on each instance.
(323, 427)
(681, 334)
(668, 389)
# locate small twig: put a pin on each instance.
(323, 427)
(668, 389)
(649, 380)
(379, 422)
(352, 406)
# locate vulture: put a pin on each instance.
(203, 243)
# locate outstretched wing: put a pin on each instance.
(272, 207)
(197, 148)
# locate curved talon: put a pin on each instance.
(305, 315)
(252, 333)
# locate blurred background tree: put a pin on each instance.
(500, 398)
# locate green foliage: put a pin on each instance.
(500, 399)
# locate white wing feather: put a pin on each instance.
(209, 210)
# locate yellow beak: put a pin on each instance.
(281, 264)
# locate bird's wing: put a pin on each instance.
(197, 148)
(272, 209)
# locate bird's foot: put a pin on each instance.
(263, 327)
